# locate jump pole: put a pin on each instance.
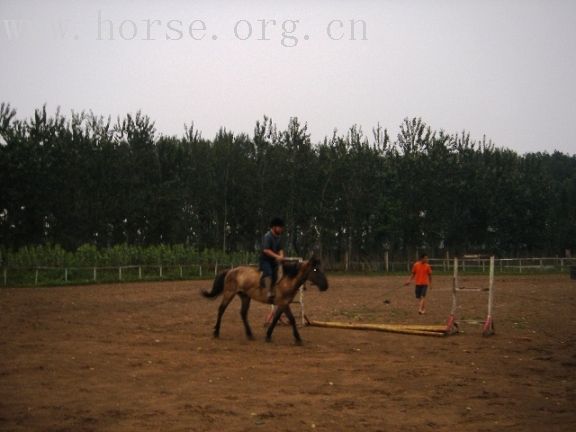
(302, 315)
(452, 325)
(488, 329)
(391, 328)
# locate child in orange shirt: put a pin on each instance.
(422, 275)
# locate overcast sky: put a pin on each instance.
(505, 69)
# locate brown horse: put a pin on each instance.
(245, 283)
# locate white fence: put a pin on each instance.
(476, 265)
(41, 275)
(508, 265)
(54, 275)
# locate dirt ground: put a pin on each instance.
(141, 357)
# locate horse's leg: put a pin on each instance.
(244, 313)
(279, 311)
(288, 313)
(221, 309)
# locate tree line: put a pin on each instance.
(84, 179)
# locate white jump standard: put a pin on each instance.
(452, 326)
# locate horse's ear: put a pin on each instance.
(315, 262)
(312, 258)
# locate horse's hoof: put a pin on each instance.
(250, 337)
(216, 335)
(268, 339)
(298, 342)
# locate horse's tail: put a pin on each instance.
(217, 286)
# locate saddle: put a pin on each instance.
(262, 279)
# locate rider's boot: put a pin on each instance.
(269, 289)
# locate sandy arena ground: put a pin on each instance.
(141, 357)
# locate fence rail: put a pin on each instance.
(43, 275)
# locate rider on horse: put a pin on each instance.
(271, 255)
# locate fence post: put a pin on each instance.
(5, 276)
(181, 277)
(119, 273)
(94, 272)
(65, 275)
(386, 263)
(139, 272)
(36, 277)
(160, 272)
(200, 267)
(216, 268)
(520, 266)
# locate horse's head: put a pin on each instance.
(316, 275)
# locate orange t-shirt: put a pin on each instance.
(421, 272)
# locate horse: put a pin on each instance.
(244, 282)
